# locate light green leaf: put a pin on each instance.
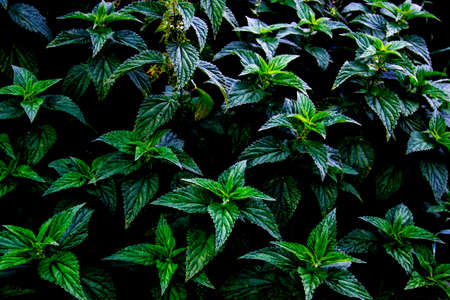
(224, 216)
(322, 238)
(210, 185)
(66, 181)
(200, 251)
(166, 269)
(31, 107)
(233, 176)
(15, 258)
(164, 236)
(63, 269)
(25, 171)
(350, 69)
(142, 254)
(188, 199)
(271, 256)
(56, 227)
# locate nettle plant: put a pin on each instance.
(277, 113)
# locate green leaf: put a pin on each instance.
(311, 280)
(437, 176)
(164, 236)
(291, 80)
(319, 154)
(399, 216)
(322, 238)
(208, 184)
(358, 241)
(166, 269)
(14, 90)
(224, 216)
(77, 231)
(321, 55)
(106, 192)
(130, 39)
(29, 18)
(66, 181)
(359, 154)
(416, 281)
(379, 223)
(326, 194)
(99, 37)
(419, 141)
(63, 269)
(31, 107)
(5, 145)
(167, 154)
(22, 76)
(15, 258)
(56, 227)
(244, 93)
(269, 45)
(25, 171)
(280, 62)
(38, 142)
(120, 139)
(154, 112)
(258, 213)
(137, 192)
(68, 37)
(10, 109)
(402, 255)
(300, 251)
(98, 284)
(350, 69)
(187, 12)
(16, 238)
(100, 70)
(387, 106)
(200, 251)
(185, 59)
(4, 3)
(214, 9)
(345, 283)
(286, 191)
(233, 176)
(271, 256)
(64, 104)
(188, 199)
(245, 192)
(388, 182)
(136, 62)
(77, 81)
(418, 46)
(265, 150)
(142, 254)
(116, 163)
(414, 232)
(42, 85)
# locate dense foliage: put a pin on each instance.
(213, 149)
